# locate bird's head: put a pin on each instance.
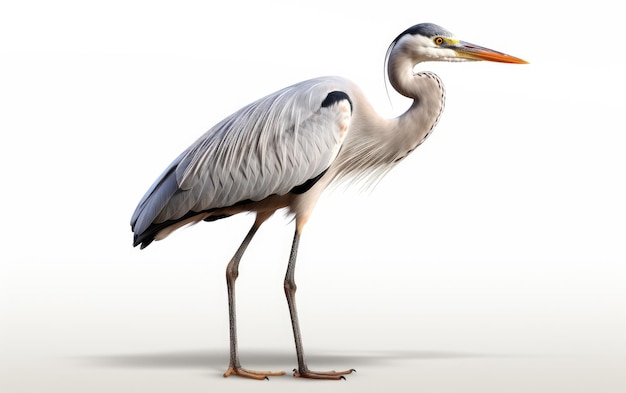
(429, 42)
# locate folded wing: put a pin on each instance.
(269, 147)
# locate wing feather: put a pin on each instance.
(268, 147)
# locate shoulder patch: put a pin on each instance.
(334, 97)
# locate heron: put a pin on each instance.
(284, 150)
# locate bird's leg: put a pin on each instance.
(232, 272)
(290, 291)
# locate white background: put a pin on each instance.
(492, 259)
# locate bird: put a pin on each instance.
(283, 150)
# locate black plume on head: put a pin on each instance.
(427, 30)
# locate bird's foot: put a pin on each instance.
(336, 375)
(242, 372)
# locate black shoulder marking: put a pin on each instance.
(334, 97)
(306, 186)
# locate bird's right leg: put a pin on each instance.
(232, 272)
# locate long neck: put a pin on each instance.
(428, 94)
(374, 144)
(425, 88)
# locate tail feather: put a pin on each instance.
(148, 236)
(152, 203)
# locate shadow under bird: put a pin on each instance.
(283, 150)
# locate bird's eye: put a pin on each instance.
(438, 40)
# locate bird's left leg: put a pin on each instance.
(232, 272)
(290, 291)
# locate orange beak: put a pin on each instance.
(469, 51)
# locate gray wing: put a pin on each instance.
(268, 147)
